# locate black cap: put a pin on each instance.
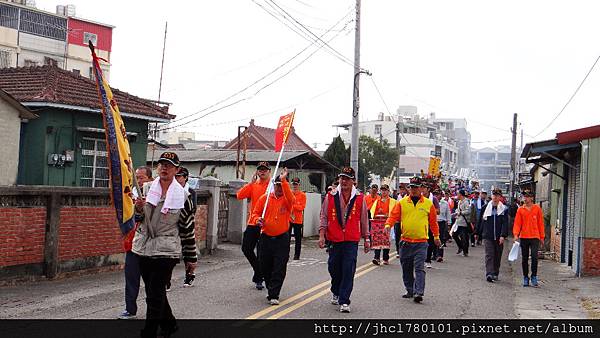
(295, 180)
(374, 186)
(170, 157)
(528, 193)
(497, 191)
(182, 172)
(348, 172)
(385, 187)
(262, 165)
(414, 182)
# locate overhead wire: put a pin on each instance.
(570, 99)
(252, 84)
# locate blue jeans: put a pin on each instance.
(412, 259)
(132, 281)
(342, 266)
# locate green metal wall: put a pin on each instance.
(592, 186)
(556, 196)
(56, 131)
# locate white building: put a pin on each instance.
(420, 139)
(492, 166)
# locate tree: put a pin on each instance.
(374, 158)
(336, 154)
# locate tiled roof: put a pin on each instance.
(266, 138)
(54, 85)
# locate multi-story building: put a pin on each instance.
(456, 129)
(492, 166)
(420, 139)
(32, 37)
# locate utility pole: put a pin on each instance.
(398, 151)
(162, 64)
(521, 149)
(354, 140)
(513, 157)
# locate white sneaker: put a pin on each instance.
(335, 300)
(274, 301)
(428, 265)
(345, 308)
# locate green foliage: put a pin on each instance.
(374, 158)
(338, 155)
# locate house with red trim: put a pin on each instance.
(566, 178)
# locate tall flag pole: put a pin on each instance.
(282, 133)
(120, 167)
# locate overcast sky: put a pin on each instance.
(479, 60)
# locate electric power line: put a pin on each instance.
(570, 99)
(250, 85)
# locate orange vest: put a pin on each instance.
(351, 231)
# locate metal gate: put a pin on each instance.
(573, 214)
(222, 226)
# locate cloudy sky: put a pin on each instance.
(479, 60)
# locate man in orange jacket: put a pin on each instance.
(528, 230)
(274, 247)
(297, 217)
(254, 190)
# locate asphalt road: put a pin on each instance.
(454, 289)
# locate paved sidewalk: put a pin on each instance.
(560, 295)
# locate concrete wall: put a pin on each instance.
(80, 58)
(10, 129)
(8, 42)
(311, 214)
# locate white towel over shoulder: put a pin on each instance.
(488, 210)
(175, 198)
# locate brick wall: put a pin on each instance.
(88, 231)
(80, 219)
(201, 224)
(22, 233)
(591, 257)
(555, 244)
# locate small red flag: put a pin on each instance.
(283, 130)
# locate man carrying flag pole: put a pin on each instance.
(272, 212)
(162, 222)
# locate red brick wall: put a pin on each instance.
(201, 223)
(88, 231)
(591, 257)
(22, 235)
(555, 245)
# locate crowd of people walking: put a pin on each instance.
(420, 219)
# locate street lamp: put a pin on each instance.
(354, 139)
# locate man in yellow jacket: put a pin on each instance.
(417, 215)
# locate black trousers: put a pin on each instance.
(461, 236)
(156, 272)
(386, 254)
(533, 245)
(298, 232)
(273, 255)
(249, 243)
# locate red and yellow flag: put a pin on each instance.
(119, 155)
(283, 130)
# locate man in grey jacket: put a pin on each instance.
(463, 213)
(158, 241)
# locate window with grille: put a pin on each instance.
(378, 129)
(42, 24)
(9, 16)
(90, 37)
(94, 163)
(5, 59)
